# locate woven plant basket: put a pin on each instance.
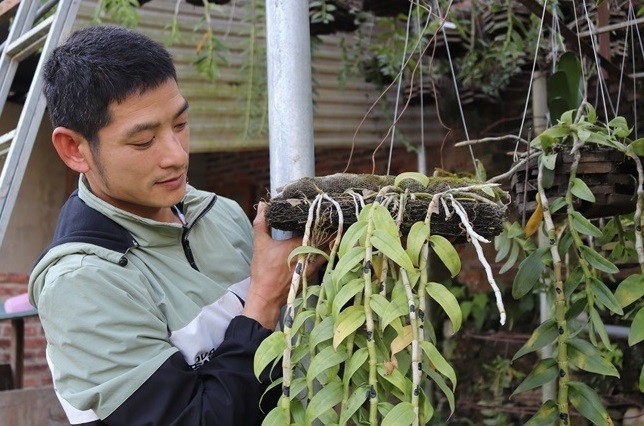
(288, 211)
(610, 175)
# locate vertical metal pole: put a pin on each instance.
(539, 123)
(290, 99)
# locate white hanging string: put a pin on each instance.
(451, 67)
(631, 16)
(621, 74)
(400, 79)
(534, 66)
(600, 77)
(422, 166)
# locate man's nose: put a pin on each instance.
(173, 153)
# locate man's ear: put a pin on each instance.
(72, 148)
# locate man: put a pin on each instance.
(150, 302)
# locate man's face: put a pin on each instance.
(141, 161)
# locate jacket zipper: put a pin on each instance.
(186, 230)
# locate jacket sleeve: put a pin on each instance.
(224, 391)
(112, 363)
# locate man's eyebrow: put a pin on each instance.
(141, 127)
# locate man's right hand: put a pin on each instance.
(270, 275)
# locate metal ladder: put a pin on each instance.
(24, 39)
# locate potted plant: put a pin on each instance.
(581, 263)
(358, 347)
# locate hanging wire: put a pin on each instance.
(400, 79)
(581, 56)
(631, 15)
(422, 163)
(600, 77)
(534, 65)
(621, 74)
(451, 67)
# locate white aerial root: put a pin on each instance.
(475, 238)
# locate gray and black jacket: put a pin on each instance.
(142, 318)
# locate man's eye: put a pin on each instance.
(142, 145)
(181, 126)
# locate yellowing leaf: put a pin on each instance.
(536, 218)
(402, 341)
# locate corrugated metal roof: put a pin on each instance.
(217, 107)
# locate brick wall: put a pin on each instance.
(36, 372)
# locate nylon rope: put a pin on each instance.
(534, 65)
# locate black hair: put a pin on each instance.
(97, 66)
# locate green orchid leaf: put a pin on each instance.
(277, 416)
(586, 401)
(512, 259)
(321, 332)
(583, 225)
(598, 326)
(324, 360)
(566, 83)
(383, 221)
(356, 361)
(298, 353)
(398, 306)
(416, 239)
(298, 384)
(620, 127)
(543, 335)
(549, 160)
(630, 290)
(547, 415)
(588, 358)
(572, 282)
(418, 177)
(557, 204)
(426, 409)
(636, 147)
(349, 261)
(306, 250)
(364, 213)
(392, 248)
(396, 378)
(438, 361)
(446, 253)
(348, 321)
(481, 176)
(345, 294)
(357, 398)
(324, 399)
(448, 302)
(544, 372)
(270, 349)
(351, 237)
(401, 414)
(597, 261)
(580, 190)
(636, 333)
(438, 379)
(548, 178)
(502, 245)
(299, 319)
(604, 296)
(529, 273)
(379, 305)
